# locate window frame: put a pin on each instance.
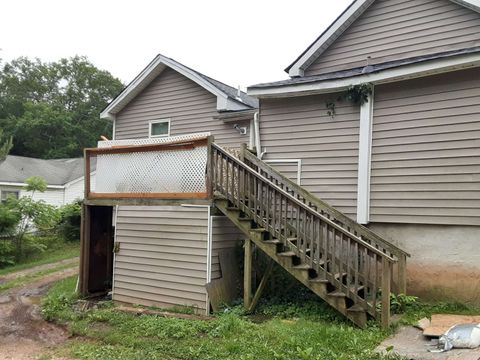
(152, 122)
(9, 192)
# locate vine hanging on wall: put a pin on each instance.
(355, 94)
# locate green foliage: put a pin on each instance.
(358, 94)
(7, 253)
(9, 219)
(60, 299)
(51, 109)
(56, 251)
(36, 183)
(355, 94)
(107, 334)
(68, 226)
(401, 302)
(5, 145)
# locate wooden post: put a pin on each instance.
(261, 286)
(209, 170)
(402, 274)
(84, 249)
(86, 157)
(386, 280)
(247, 275)
(243, 149)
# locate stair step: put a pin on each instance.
(339, 275)
(259, 230)
(338, 294)
(292, 239)
(286, 254)
(244, 219)
(232, 208)
(302, 267)
(319, 281)
(273, 241)
(360, 288)
(356, 308)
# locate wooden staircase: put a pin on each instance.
(344, 263)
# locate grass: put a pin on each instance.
(68, 251)
(307, 331)
(29, 278)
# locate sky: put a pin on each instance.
(241, 42)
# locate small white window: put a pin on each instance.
(159, 128)
(5, 194)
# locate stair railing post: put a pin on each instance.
(386, 288)
(247, 275)
(402, 274)
(209, 171)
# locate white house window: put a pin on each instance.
(159, 128)
(5, 194)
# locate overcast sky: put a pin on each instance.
(238, 42)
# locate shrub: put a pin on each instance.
(68, 226)
(7, 252)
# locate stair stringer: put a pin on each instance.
(355, 313)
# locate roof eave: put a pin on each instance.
(352, 13)
(155, 68)
(406, 72)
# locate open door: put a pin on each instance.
(96, 258)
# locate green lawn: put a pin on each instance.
(307, 331)
(69, 250)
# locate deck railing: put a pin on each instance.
(166, 170)
(399, 274)
(354, 266)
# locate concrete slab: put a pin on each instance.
(410, 343)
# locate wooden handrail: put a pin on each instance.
(303, 205)
(334, 213)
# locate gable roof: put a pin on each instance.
(386, 72)
(333, 32)
(17, 169)
(227, 96)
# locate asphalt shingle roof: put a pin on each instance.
(55, 172)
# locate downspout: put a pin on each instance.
(258, 145)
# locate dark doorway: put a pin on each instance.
(97, 249)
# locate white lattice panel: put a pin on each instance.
(148, 141)
(163, 171)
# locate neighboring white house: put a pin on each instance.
(64, 178)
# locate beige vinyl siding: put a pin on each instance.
(189, 107)
(163, 256)
(225, 236)
(399, 29)
(300, 128)
(426, 150)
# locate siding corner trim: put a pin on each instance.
(364, 160)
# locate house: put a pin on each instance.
(64, 178)
(167, 252)
(406, 163)
(366, 157)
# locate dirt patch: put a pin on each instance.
(23, 332)
(36, 269)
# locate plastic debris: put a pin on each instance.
(462, 336)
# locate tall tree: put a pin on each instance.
(5, 146)
(52, 109)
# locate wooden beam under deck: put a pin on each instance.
(145, 202)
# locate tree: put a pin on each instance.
(5, 146)
(60, 101)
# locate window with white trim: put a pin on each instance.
(159, 128)
(5, 194)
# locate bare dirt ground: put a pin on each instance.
(24, 335)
